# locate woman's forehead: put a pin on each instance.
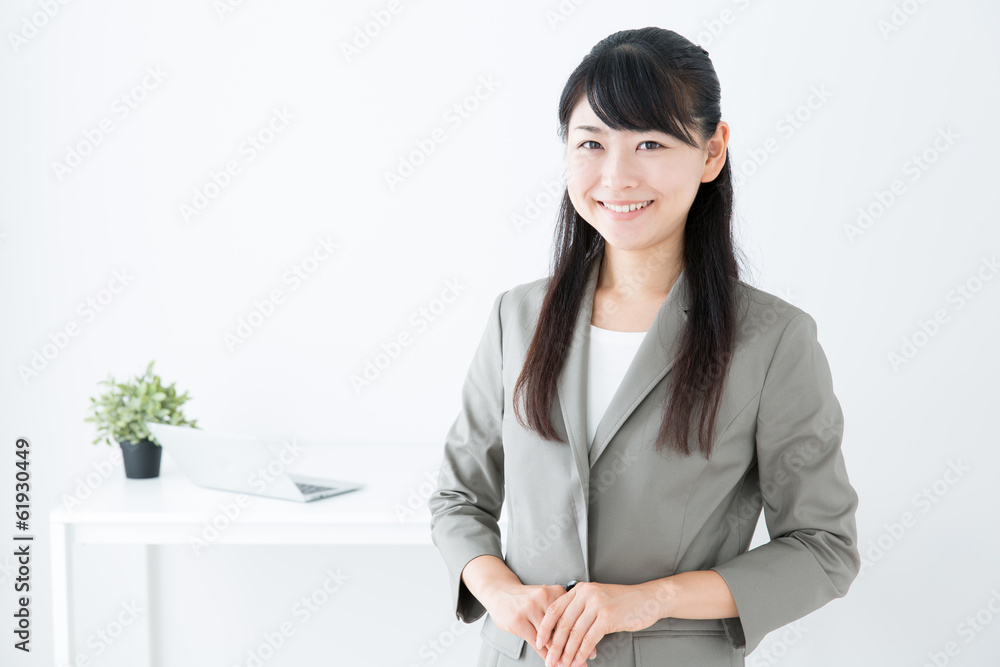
(591, 124)
(584, 120)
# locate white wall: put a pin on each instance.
(64, 238)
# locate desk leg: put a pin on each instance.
(151, 571)
(62, 636)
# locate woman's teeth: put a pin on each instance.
(626, 209)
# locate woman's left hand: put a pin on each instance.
(592, 610)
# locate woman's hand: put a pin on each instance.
(519, 609)
(575, 622)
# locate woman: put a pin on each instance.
(637, 409)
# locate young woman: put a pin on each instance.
(637, 409)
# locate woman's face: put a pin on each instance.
(606, 166)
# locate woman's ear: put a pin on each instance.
(715, 157)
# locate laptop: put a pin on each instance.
(242, 463)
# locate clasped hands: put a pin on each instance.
(565, 627)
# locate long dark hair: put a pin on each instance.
(640, 80)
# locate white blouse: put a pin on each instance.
(611, 353)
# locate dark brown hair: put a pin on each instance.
(640, 80)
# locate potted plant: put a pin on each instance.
(122, 412)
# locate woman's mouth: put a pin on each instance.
(625, 207)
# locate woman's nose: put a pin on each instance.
(619, 172)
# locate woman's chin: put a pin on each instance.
(621, 241)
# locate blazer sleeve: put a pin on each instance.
(465, 508)
(809, 504)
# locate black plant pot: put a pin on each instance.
(142, 459)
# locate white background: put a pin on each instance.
(476, 212)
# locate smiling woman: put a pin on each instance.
(623, 176)
(634, 414)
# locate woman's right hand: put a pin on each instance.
(519, 609)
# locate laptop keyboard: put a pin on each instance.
(311, 488)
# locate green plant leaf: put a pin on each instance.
(121, 411)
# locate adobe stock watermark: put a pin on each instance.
(777, 649)
(564, 523)
(220, 179)
(550, 192)
(31, 24)
(420, 498)
(416, 498)
(454, 117)
(899, 16)
(265, 307)
(716, 26)
(758, 323)
(923, 500)
(420, 320)
(121, 108)
(633, 282)
(624, 460)
(225, 7)
(8, 569)
(561, 12)
(104, 637)
(541, 540)
(88, 309)
(364, 34)
(929, 328)
(432, 650)
(229, 511)
(792, 460)
(85, 487)
(269, 643)
(914, 167)
(787, 126)
(968, 629)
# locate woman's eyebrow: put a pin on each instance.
(598, 130)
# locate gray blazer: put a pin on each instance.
(623, 514)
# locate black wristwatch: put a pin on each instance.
(570, 585)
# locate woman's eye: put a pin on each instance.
(650, 142)
(589, 141)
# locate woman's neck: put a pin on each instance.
(637, 277)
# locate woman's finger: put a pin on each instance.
(552, 614)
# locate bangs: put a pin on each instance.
(627, 92)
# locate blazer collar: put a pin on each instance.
(651, 363)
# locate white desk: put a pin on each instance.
(170, 509)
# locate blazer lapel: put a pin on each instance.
(651, 363)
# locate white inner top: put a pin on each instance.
(611, 353)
